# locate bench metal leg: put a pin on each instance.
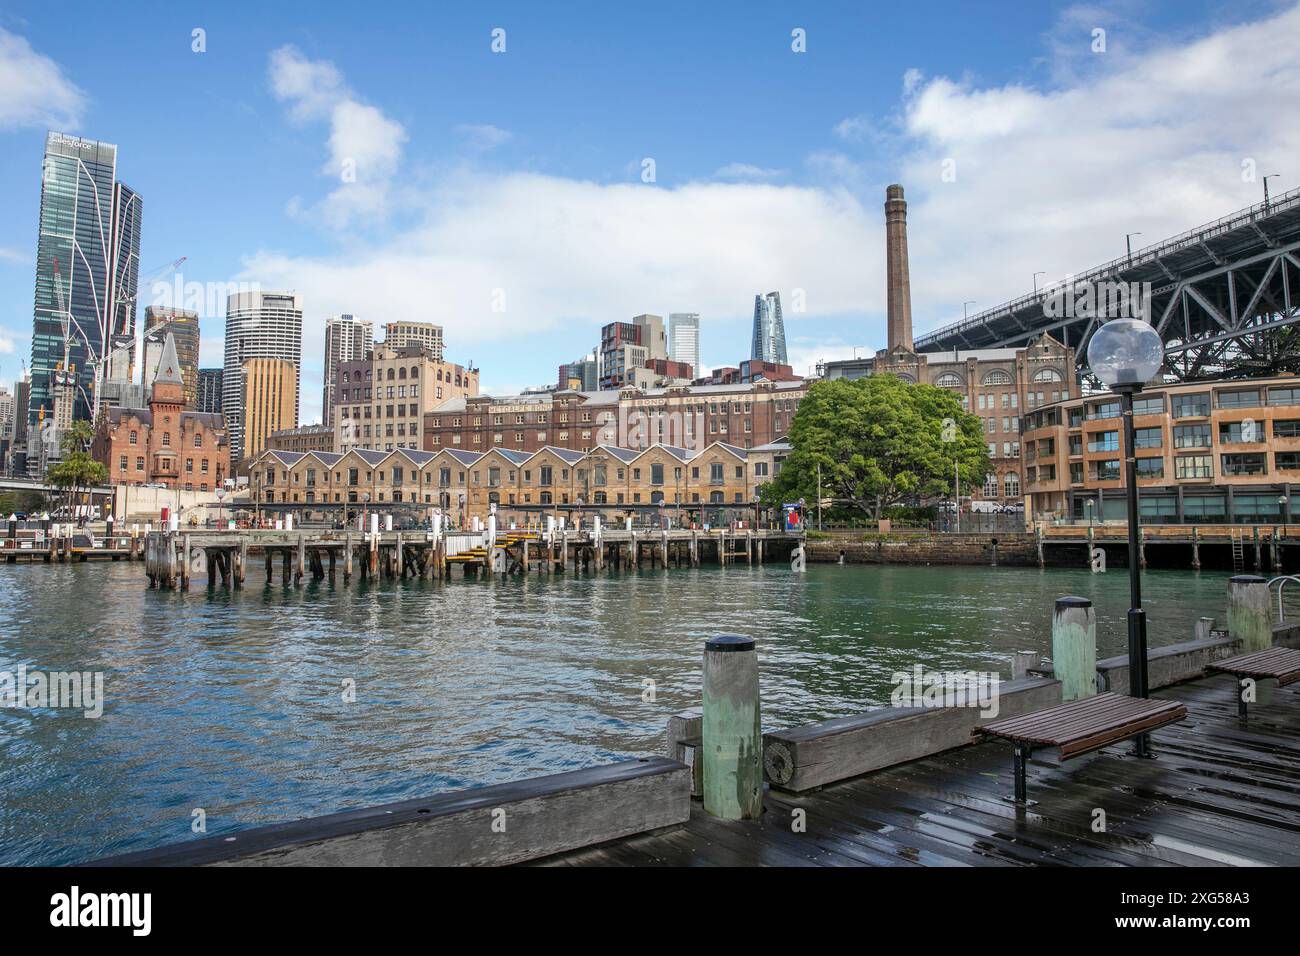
(1020, 757)
(1242, 686)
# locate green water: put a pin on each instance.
(232, 701)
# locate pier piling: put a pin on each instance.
(732, 733)
(1074, 647)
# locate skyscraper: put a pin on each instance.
(208, 398)
(346, 340)
(258, 325)
(684, 338)
(87, 258)
(769, 330)
(268, 400)
(183, 326)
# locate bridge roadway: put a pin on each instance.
(1223, 296)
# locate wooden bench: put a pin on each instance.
(1080, 727)
(1277, 663)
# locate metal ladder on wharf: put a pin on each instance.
(1238, 553)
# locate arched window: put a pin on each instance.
(948, 380)
(997, 377)
(135, 437)
(1048, 375)
(906, 378)
(1011, 482)
(198, 439)
(990, 486)
(415, 371)
(390, 375)
(401, 372)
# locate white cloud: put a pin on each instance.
(1151, 139)
(1047, 178)
(365, 146)
(35, 91)
(14, 256)
(557, 252)
(483, 136)
(748, 173)
(6, 345)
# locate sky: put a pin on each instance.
(524, 173)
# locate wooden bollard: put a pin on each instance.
(1074, 647)
(1248, 612)
(732, 734)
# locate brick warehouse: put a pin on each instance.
(714, 484)
(687, 416)
(164, 443)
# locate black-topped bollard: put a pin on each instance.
(732, 734)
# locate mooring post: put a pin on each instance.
(1258, 557)
(1248, 612)
(1074, 647)
(185, 565)
(1038, 542)
(1196, 549)
(732, 732)
(1022, 662)
(243, 562)
(301, 567)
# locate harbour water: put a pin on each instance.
(236, 703)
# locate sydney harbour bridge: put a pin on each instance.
(1224, 296)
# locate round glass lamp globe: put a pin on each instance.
(1126, 352)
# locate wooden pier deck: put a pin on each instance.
(1217, 793)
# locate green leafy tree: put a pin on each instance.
(879, 441)
(78, 471)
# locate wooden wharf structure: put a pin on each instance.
(174, 558)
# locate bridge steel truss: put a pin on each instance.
(1225, 298)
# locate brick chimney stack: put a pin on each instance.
(899, 285)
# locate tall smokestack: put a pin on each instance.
(899, 293)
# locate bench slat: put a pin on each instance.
(1282, 663)
(1088, 723)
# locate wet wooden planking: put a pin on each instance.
(1217, 793)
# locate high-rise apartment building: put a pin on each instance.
(183, 326)
(208, 397)
(769, 330)
(268, 400)
(347, 339)
(258, 325)
(425, 334)
(684, 338)
(6, 413)
(582, 374)
(87, 268)
(626, 347)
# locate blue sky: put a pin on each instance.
(485, 178)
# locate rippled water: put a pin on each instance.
(233, 702)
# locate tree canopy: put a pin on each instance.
(879, 441)
(77, 471)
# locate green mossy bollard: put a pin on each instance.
(1074, 647)
(1248, 612)
(732, 736)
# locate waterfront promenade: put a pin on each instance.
(1216, 794)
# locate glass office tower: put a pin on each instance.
(87, 220)
(769, 330)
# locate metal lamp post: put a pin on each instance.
(1089, 504)
(1125, 354)
(1282, 501)
(221, 496)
